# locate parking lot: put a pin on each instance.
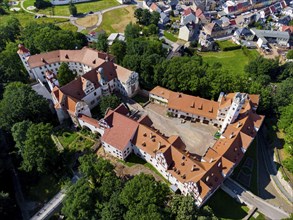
(198, 137)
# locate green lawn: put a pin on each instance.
(225, 207)
(81, 7)
(226, 43)
(25, 18)
(116, 20)
(252, 153)
(170, 36)
(74, 141)
(132, 159)
(67, 26)
(233, 61)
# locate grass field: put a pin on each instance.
(81, 7)
(74, 141)
(25, 18)
(226, 43)
(233, 61)
(225, 207)
(67, 26)
(170, 36)
(115, 21)
(87, 21)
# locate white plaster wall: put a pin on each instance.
(94, 129)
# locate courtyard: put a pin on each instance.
(198, 137)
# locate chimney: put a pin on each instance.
(43, 60)
(66, 56)
(94, 62)
(144, 134)
(151, 135)
(143, 144)
(182, 163)
(192, 105)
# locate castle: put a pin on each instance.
(121, 134)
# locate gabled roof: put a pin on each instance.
(85, 56)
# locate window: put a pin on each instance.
(95, 93)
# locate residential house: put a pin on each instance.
(215, 30)
(206, 42)
(154, 7)
(188, 16)
(164, 19)
(242, 34)
(186, 32)
(267, 36)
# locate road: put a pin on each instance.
(50, 207)
(244, 195)
(73, 19)
(270, 187)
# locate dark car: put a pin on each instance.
(90, 12)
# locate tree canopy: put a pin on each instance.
(47, 37)
(102, 43)
(65, 75)
(26, 105)
(72, 9)
(35, 144)
(131, 31)
(111, 101)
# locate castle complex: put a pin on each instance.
(121, 133)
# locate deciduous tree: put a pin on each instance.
(65, 75)
(21, 103)
(111, 101)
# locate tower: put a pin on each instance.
(233, 112)
(24, 54)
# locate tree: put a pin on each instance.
(138, 14)
(113, 210)
(110, 101)
(144, 197)
(155, 18)
(102, 43)
(290, 54)
(42, 4)
(36, 146)
(131, 31)
(47, 37)
(283, 95)
(80, 201)
(72, 9)
(9, 31)
(26, 105)
(118, 49)
(153, 29)
(65, 75)
(19, 131)
(183, 207)
(145, 17)
(11, 67)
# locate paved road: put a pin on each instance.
(270, 187)
(50, 207)
(246, 196)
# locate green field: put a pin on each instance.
(233, 61)
(81, 7)
(74, 141)
(121, 18)
(225, 207)
(170, 36)
(25, 18)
